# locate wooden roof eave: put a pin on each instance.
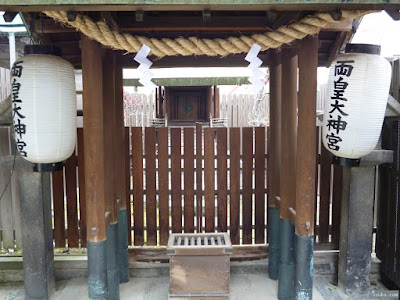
(132, 5)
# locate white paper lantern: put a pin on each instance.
(44, 108)
(355, 103)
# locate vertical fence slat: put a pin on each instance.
(199, 180)
(385, 227)
(6, 207)
(176, 179)
(82, 195)
(380, 221)
(260, 184)
(128, 183)
(16, 201)
(150, 150)
(137, 173)
(392, 216)
(222, 178)
(163, 184)
(382, 206)
(336, 204)
(209, 179)
(391, 221)
(247, 174)
(324, 192)
(72, 208)
(386, 263)
(270, 180)
(234, 185)
(317, 175)
(189, 179)
(58, 206)
(395, 187)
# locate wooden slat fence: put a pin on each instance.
(5, 86)
(329, 198)
(237, 108)
(69, 208)
(388, 222)
(172, 153)
(139, 109)
(10, 215)
(230, 197)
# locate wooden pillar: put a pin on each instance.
(305, 170)
(274, 146)
(124, 226)
(288, 172)
(93, 119)
(109, 101)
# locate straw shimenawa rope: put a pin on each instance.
(102, 33)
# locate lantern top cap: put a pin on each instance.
(42, 49)
(363, 48)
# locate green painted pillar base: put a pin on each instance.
(123, 258)
(97, 269)
(112, 262)
(304, 265)
(273, 240)
(286, 264)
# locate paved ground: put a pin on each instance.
(249, 281)
(243, 287)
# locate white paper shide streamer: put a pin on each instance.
(255, 63)
(44, 108)
(144, 66)
(257, 116)
(355, 104)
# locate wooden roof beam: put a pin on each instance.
(195, 81)
(237, 60)
(179, 24)
(199, 5)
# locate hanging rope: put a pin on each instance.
(102, 33)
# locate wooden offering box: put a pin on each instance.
(199, 266)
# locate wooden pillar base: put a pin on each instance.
(97, 269)
(273, 238)
(123, 259)
(304, 264)
(112, 262)
(286, 264)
